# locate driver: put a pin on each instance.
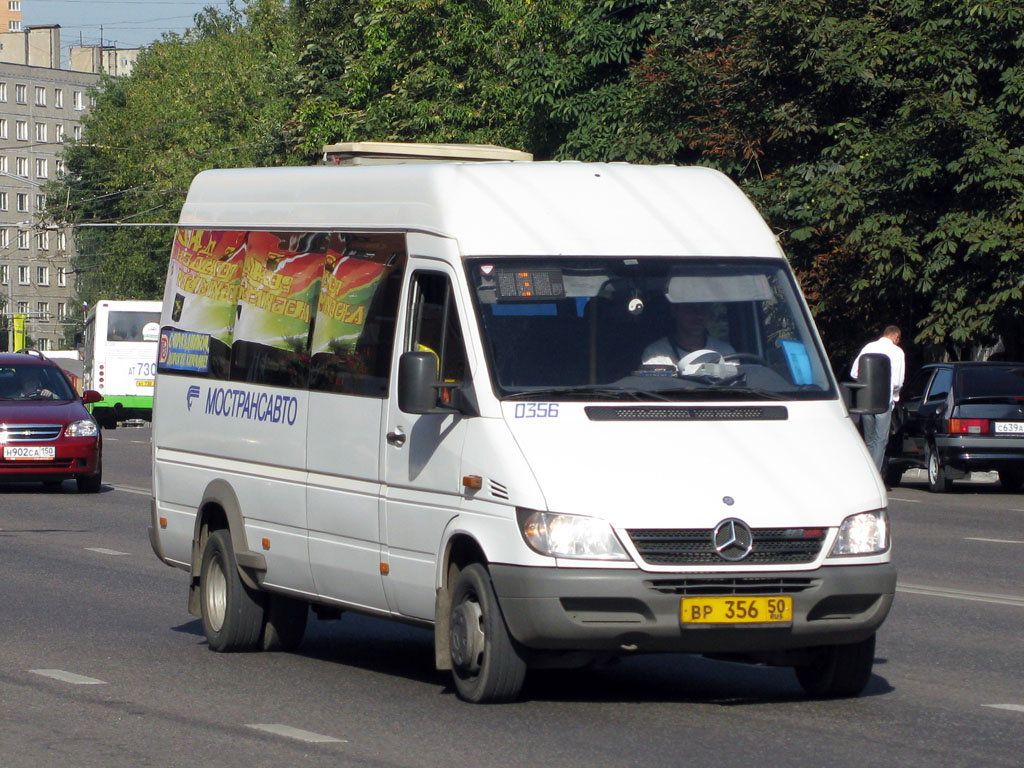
(688, 332)
(32, 385)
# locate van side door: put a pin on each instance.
(423, 453)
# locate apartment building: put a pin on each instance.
(10, 15)
(40, 108)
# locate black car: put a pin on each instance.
(955, 418)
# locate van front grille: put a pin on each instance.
(704, 586)
(696, 546)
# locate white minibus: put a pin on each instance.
(558, 412)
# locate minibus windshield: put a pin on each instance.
(646, 328)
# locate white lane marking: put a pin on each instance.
(294, 733)
(993, 541)
(905, 501)
(960, 594)
(126, 489)
(103, 551)
(1011, 707)
(68, 677)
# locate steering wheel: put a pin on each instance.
(701, 356)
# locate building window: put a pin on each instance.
(3, 202)
(3, 91)
(42, 275)
(14, 5)
(5, 237)
(23, 240)
(62, 245)
(3, 272)
(13, 26)
(42, 168)
(58, 98)
(22, 307)
(3, 163)
(62, 276)
(43, 309)
(22, 202)
(21, 166)
(76, 100)
(40, 203)
(58, 166)
(3, 127)
(21, 130)
(19, 94)
(59, 130)
(41, 132)
(43, 244)
(62, 310)
(23, 277)
(40, 96)
(42, 344)
(78, 133)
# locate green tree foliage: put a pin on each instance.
(885, 141)
(216, 97)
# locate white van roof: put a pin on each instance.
(538, 208)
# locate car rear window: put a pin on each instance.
(994, 381)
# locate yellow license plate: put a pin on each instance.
(737, 610)
(144, 383)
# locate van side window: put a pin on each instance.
(277, 299)
(434, 325)
(354, 332)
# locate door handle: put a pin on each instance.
(396, 438)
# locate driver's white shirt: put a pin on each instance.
(664, 352)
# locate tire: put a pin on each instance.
(938, 481)
(487, 665)
(285, 623)
(1011, 479)
(839, 671)
(90, 483)
(232, 612)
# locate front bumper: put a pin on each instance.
(75, 457)
(636, 611)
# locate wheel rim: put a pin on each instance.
(216, 593)
(467, 637)
(933, 468)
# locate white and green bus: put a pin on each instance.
(121, 340)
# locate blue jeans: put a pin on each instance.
(876, 434)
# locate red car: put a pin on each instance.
(46, 433)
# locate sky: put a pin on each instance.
(121, 23)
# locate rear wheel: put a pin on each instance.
(487, 666)
(1011, 479)
(938, 480)
(232, 612)
(838, 670)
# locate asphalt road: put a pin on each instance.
(101, 664)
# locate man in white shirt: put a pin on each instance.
(876, 426)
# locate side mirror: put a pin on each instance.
(873, 387)
(91, 396)
(420, 392)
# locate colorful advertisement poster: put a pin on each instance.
(204, 278)
(280, 285)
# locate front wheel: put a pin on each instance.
(938, 480)
(487, 666)
(838, 671)
(232, 612)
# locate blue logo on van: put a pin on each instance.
(254, 406)
(193, 393)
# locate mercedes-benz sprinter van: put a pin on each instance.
(558, 412)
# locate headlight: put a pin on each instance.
(863, 534)
(569, 536)
(83, 428)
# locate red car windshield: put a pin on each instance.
(34, 382)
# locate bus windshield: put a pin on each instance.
(646, 328)
(123, 325)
